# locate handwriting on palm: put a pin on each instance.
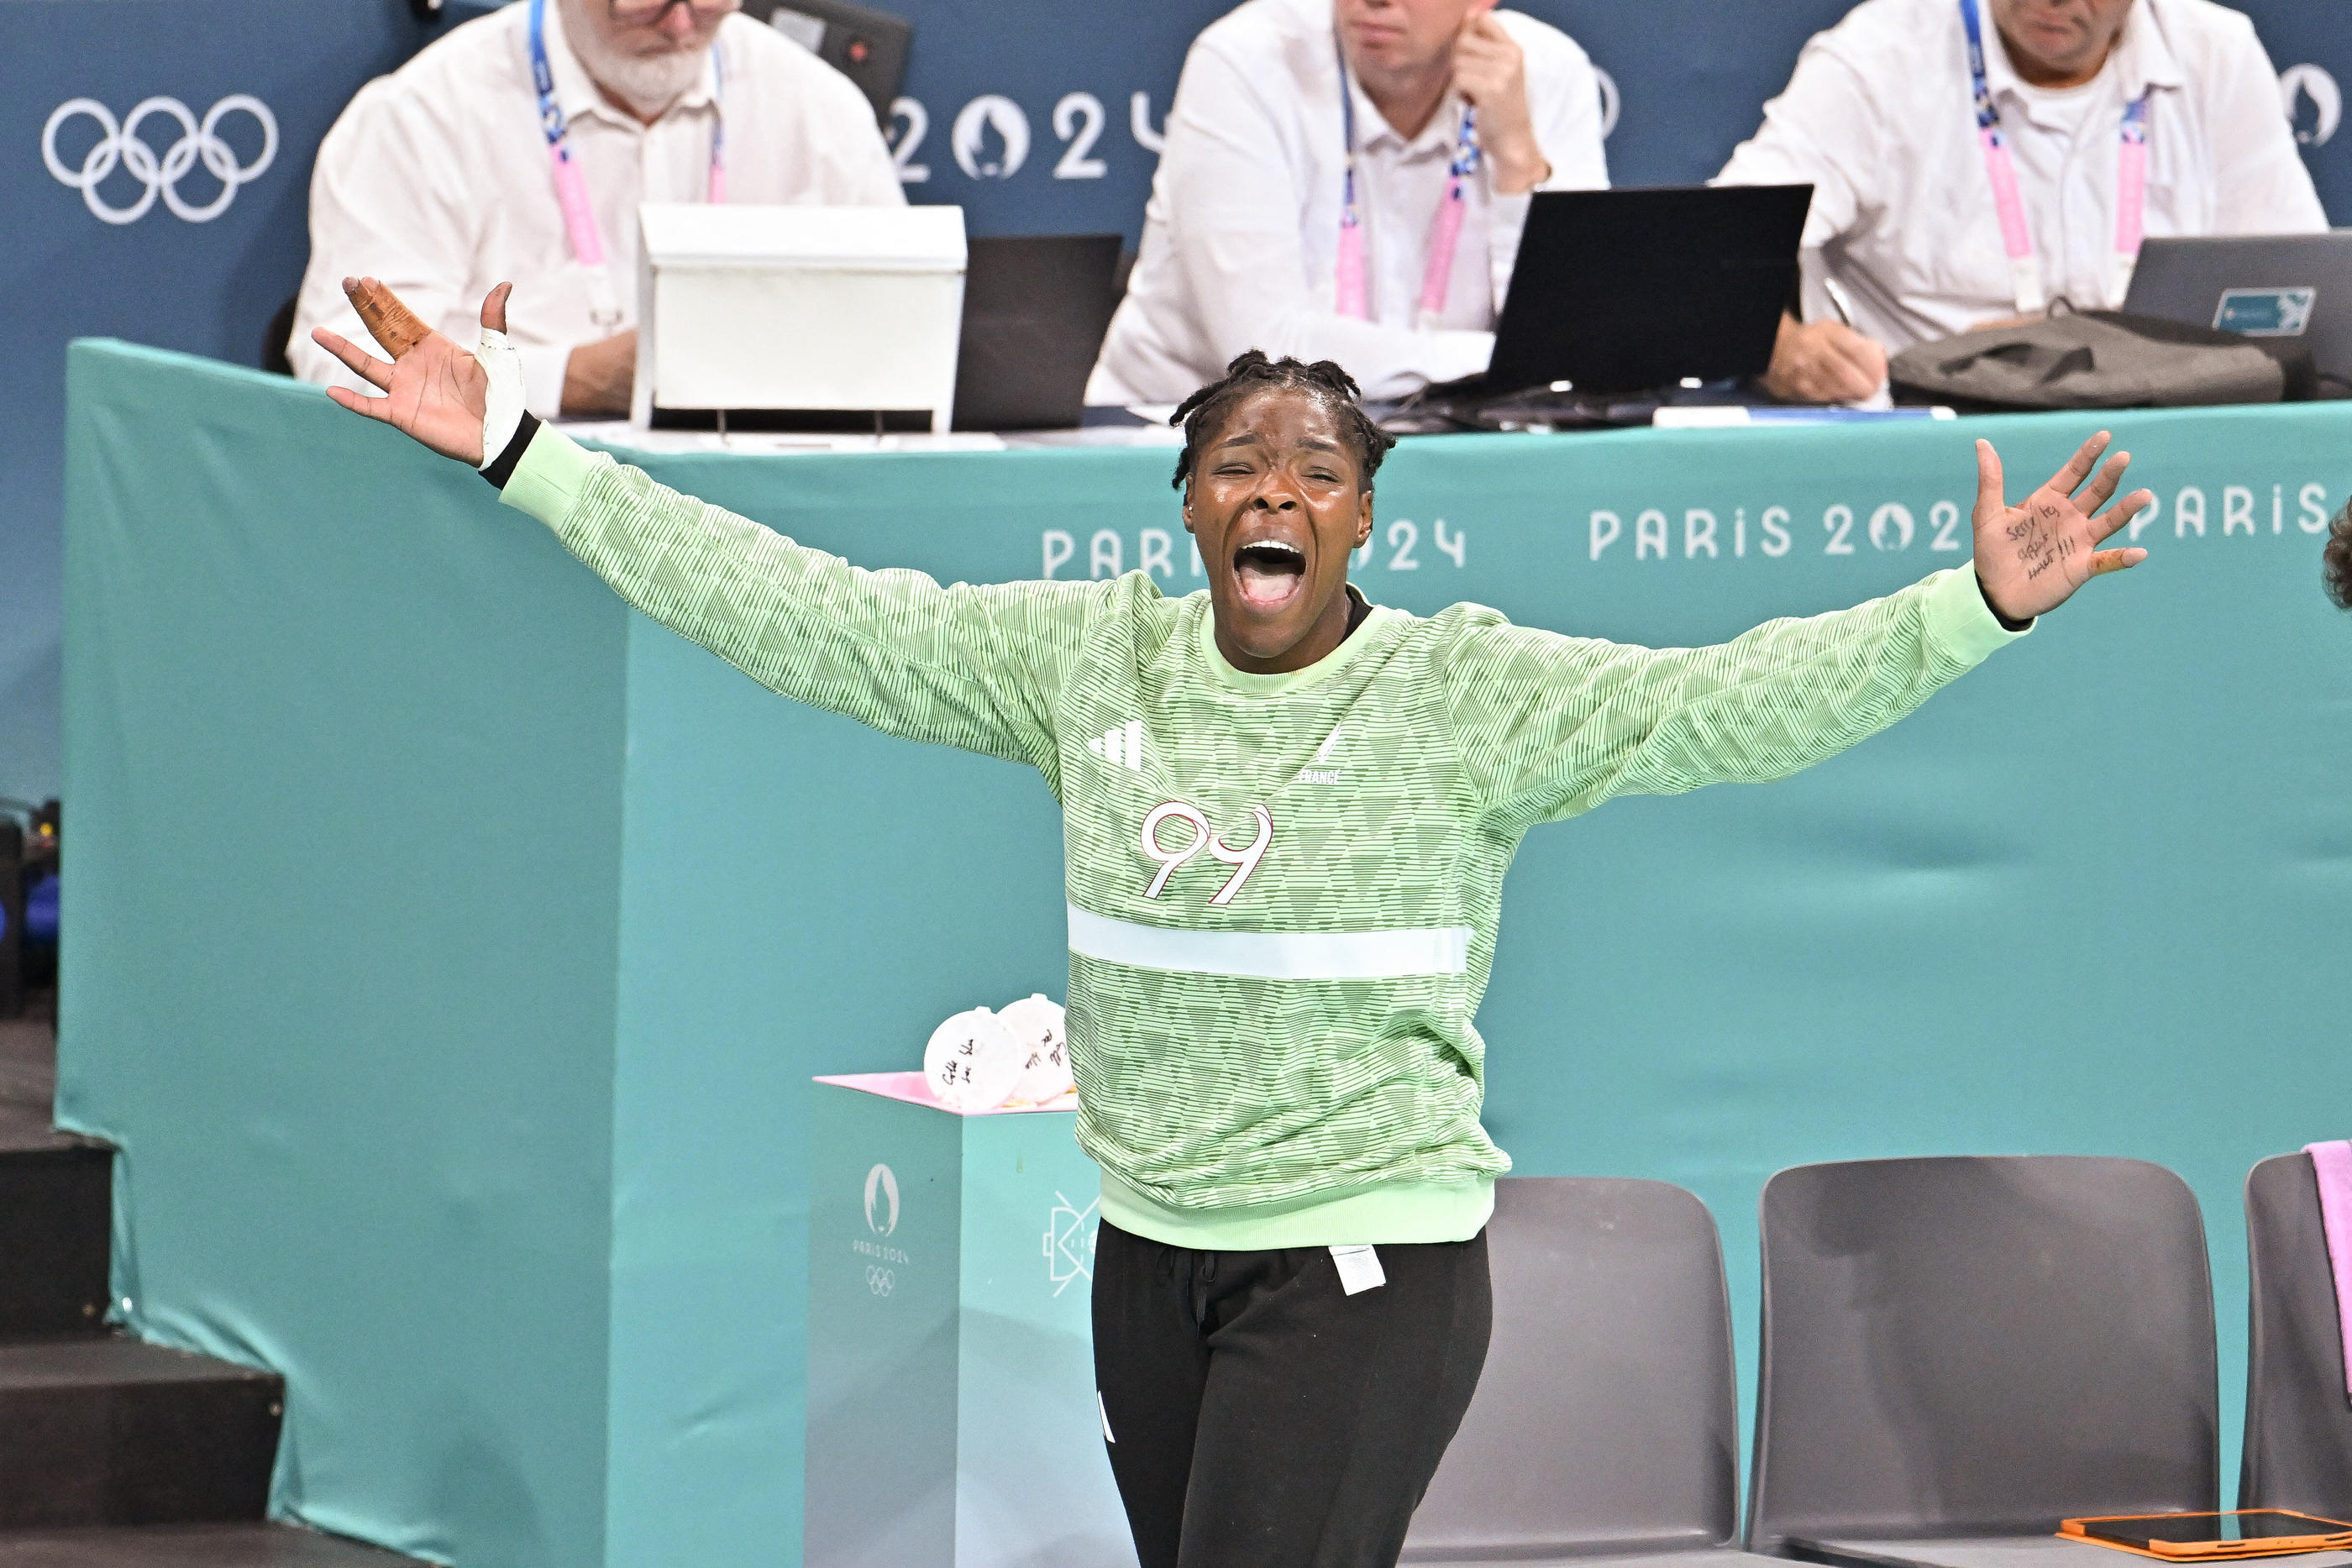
(2031, 557)
(433, 389)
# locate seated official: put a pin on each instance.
(442, 178)
(2093, 101)
(1375, 226)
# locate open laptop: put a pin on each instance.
(1618, 291)
(1035, 308)
(1621, 299)
(2265, 286)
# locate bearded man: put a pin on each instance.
(519, 146)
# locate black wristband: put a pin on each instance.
(2006, 623)
(498, 473)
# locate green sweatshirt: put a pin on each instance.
(1283, 889)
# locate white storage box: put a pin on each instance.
(799, 307)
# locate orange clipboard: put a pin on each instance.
(2325, 1535)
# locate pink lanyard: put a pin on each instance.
(1351, 287)
(571, 184)
(2016, 236)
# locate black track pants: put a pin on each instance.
(1260, 1417)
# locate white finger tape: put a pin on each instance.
(502, 409)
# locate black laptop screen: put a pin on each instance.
(1627, 291)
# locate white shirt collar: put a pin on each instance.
(2144, 55)
(2141, 59)
(576, 92)
(1374, 132)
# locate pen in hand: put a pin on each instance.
(1838, 301)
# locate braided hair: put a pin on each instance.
(1203, 414)
(2335, 560)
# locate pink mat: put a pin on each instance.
(916, 1089)
(2332, 1163)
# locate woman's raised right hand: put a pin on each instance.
(433, 389)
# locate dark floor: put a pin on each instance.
(192, 1546)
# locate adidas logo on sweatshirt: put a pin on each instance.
(1121, 745)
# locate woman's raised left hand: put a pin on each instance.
(433, 389)
(2030, 558)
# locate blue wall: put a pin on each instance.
(1691, 75)
(207, 287)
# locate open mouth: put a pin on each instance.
(1269, 572)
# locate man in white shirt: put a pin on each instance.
(1906, 236)
(438, 179)
(1243, 242)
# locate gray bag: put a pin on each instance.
(2094, 359)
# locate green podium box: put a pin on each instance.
(951, 1411)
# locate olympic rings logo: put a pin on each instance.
(161, 176)
(881, 1282)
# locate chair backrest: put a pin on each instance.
(1980, 1347)
(2298, 1419)
(1607, 1414)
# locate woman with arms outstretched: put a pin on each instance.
(1288, 813)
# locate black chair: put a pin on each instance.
(1605, 1428)
(2298, 1451)
(1960, 1353)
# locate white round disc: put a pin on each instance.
(972, 1061)
(1037, 1025)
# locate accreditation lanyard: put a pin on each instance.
(1353, 288)
(571, 184)
(2017, 238)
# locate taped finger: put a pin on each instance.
(502, 397)
(389, 322)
